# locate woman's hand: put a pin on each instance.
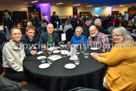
(95, 55)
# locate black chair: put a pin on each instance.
(82, 89)
(8, 85)
(1, 56)
(32, 87)
(69, 34)
(2, 73)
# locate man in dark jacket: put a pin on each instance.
(49, 38)
(8, 19)
(86, 27)
(98, 24)
(30, 43)
(54, 19)
(35, 23)
(34, 20)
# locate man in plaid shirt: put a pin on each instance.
(98, 39)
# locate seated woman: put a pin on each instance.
(13, 56)
(121, 61)
(68, 25)
(131, 28)
(76, 39)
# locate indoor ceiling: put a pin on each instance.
(107, 2)
(83, 3)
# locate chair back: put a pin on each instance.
(69, 34)
(1, 70)
(82, 89)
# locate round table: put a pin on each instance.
(89, 73)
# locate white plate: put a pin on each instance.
(94, 48)
(51, 48)
(64, 51)
(41, 57)
(70, 66)
(45, 65)
(56, 51)
(40, 52)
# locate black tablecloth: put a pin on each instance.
(57, 78)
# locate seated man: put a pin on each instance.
(98, 39)
(98, 24)
(49, 37)
(30, 43)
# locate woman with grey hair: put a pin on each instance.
(121, 61)
(76, 39)
(121, 32)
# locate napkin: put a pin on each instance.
(54, 57)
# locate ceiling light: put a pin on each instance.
(34, 1)
(76, 5)
(89, 6)
(121, 5)
(59, 3)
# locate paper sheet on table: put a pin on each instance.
(54, 57)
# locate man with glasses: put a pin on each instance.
(98, 39)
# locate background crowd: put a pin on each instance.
(98, 32)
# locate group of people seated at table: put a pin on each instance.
(121, 59)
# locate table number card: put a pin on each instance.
(73, 51)
(63, 37)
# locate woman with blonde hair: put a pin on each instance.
(121, 61)
(68, 25)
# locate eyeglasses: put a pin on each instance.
(116, 35)
(92, 30)
(78, 31)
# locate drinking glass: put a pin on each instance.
(49, 61)
(43, 60)
(77, 61)
(86, 54)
